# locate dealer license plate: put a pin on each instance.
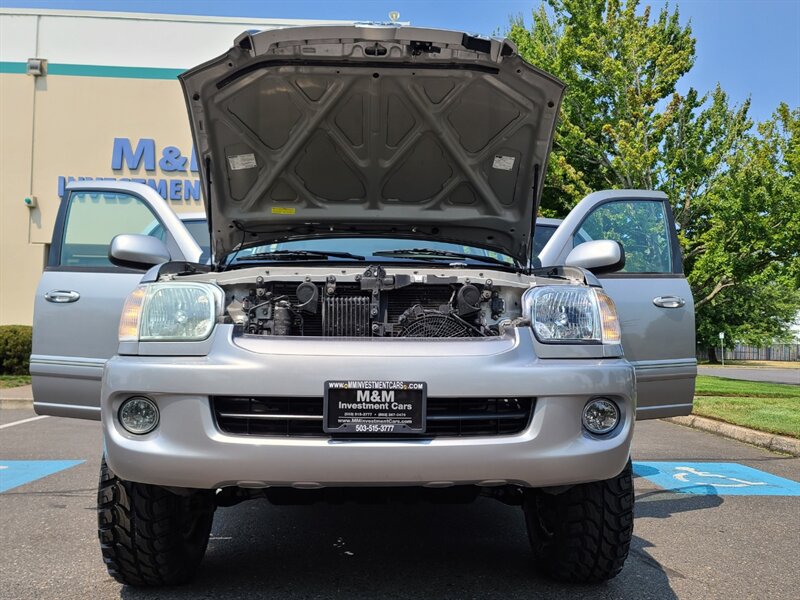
(370, 406)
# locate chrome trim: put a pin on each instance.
(275, 417)
(462, 417)
(68, 361)
(479, 417)
(669, 301)
(62, 296)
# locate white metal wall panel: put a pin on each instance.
(17, 37)
(125, 39)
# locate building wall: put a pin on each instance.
(20, 261)
(110, 86)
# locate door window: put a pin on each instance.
(94, 218)
(641, 226)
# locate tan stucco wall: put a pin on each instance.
(20, 262)
(76, 120)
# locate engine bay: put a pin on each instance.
(372, 304)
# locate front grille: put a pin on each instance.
(302, 417)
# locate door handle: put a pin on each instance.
(62, 296)
(669, 301)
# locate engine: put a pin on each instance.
(374, 305)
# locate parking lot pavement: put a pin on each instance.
(767, 375)
(686, 545)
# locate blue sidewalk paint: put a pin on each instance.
(14, 473)
(711, 479)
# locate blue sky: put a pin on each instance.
(751, 47)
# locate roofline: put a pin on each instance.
(178, 18)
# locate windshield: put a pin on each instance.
(366, 246)
(198, 229)
(541, 236)
(369, 248)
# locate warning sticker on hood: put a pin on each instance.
(239, 162)
(504, 163)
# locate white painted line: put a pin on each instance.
(683, 477)
(23, 421)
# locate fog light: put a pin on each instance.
(600, 416)
(138, 415)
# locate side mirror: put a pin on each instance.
(136, 251)
(597, 256)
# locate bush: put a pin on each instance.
(15, 349)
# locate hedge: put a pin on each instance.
(15, 349)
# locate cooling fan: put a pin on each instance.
(418, 322)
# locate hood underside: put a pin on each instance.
(400, 131)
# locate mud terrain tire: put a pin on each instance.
(583, 534)
(150, 536)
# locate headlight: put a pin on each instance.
(170, 311)
(574, 314)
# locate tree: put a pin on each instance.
(733, 187)
(742, 238)
(618, 67)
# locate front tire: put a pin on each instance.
(148, 535)
(583, 534)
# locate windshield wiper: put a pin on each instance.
(301, 254)
(430, 253)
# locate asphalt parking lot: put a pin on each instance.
(703, 544)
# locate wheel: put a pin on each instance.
(583, 534)
(150, 536)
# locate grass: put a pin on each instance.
(770, 407)
(10, 381)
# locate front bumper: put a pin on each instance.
(188, 450)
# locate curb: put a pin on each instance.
(16, 402)
(791, 367)
(770, 441)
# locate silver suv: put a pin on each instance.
(370, 322)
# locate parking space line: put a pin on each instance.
(23, 421)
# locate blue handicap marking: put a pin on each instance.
(722, 478)
(14, 473)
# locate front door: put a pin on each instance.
(80, 295)
(652, 295)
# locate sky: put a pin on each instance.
(751, 47)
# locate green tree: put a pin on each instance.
(619, 67)
(734, 188)
(742, 237)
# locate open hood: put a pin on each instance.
(375, 130)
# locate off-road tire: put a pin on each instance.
(583, 534)
(150, 536)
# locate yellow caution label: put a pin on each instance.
(283, 210)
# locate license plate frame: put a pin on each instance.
(374, 406)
